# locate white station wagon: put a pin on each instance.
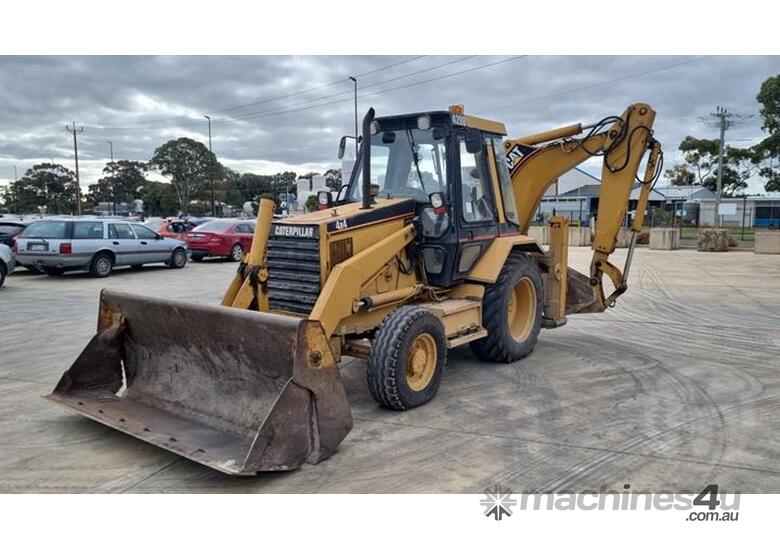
(59, 245)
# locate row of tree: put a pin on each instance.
(700, 156)
(188, 165)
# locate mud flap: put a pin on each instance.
(238, 391)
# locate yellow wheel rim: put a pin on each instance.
(521, 309)
(421, 363)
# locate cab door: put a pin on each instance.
(476, 211)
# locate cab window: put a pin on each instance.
(505, 180)
(476, 203)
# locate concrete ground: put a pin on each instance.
(676, 388)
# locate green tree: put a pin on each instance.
(228, 190)
(126, 178)
(311, 203)
(333, 178)
(251, 186)
(160, 198)
(700, 165)
(283, 181)
(187, 163)
(46, 184)
(767, 153)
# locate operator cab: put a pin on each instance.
(453, 166)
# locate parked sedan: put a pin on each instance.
(7, 262)
(59, 245)
(174, 228)
(9, 229)
(221, 238)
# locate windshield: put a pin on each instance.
(393, 166)
(215, 226)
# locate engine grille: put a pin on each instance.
(293, 274)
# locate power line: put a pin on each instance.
(242, 116)
(267, 100)
(370, 94)
(363, 87)
(598, 84)
(304, 106)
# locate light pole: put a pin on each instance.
(353, 79)
(14, 189)
(113, 180)
(211, 170)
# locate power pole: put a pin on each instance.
(211, 170)
(74, 130)
(353, 79)
(723, 119)
(113, 181)
(722, 116)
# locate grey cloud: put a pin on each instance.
(42, 94)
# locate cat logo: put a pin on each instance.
(295, 231)
(516, 155)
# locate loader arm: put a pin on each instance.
(538, 160)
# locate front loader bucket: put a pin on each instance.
(238, 391)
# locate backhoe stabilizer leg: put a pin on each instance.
(248, 283)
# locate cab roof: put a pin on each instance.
(484, 124)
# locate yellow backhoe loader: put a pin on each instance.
(425, 249)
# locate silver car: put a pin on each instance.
(58, 245)
(7, 262)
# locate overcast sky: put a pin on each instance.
(273, 113)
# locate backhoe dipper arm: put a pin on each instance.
(538, 160)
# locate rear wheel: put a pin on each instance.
(102, 264)
(237, 252)
(511, 312)
(407, 358)
(178, 259)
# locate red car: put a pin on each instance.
(220, 238)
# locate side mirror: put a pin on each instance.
(473, 141)
(324, 200)
(158, 236)
(342, 146)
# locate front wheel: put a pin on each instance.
(407, 358)
(3, 272)
(178, 259)
(236, 253)
(511, 312)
